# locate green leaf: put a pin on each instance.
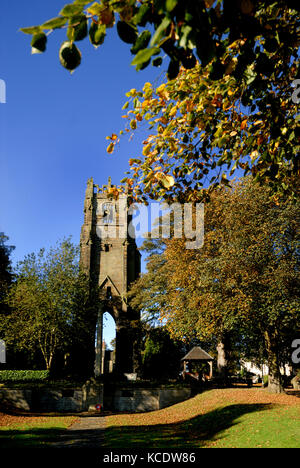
(206, 52)
(171, 4)
(157, 61)
(38, 43)
(71, 10)
(83, 2)
(159, 33)
(185, 31)
(127, 32)
(69, 56)
(142, 15)
(250, 75)
(95, 9)
(77, 28)
(55, 23)
(142, 66)
(144, 55)
(173, 69)
(97, 34)
(31, 30)
(141, 42)
(292, 136)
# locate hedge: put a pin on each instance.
(23, 375)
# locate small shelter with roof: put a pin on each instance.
(197, 355)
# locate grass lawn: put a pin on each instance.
(218, 418)
(18, 431)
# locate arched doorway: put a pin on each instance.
(105, 344)
(109, 343)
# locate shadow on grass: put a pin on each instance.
(194, 433)
(31, 437)
(53, 437)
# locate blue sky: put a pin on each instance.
(53, 127)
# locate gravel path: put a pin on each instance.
(88, 432)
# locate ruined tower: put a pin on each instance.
(111, 258)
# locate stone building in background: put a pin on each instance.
(112, 260)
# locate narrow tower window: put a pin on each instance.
(108, 292)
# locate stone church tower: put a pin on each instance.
(111, 259)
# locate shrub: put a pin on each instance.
(23, 375)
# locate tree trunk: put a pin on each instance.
(222, 360)
(275, 379)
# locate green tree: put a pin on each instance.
(149, 293)
(183, 30)
(233, 109)
(169, 291)
(203, 131)
(50, 302)
(243, 281)
(248, 269)
(161, 354)
(6, 273)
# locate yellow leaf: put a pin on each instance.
(167, 180)
(244, 124)
(147, 149)
(94, 9)
(229, 69)
(189, 106)
(173, 111)
(147, 85)
(133, 92)
(133, 124)
(161, 88)
(110, 148)
(254, 155)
